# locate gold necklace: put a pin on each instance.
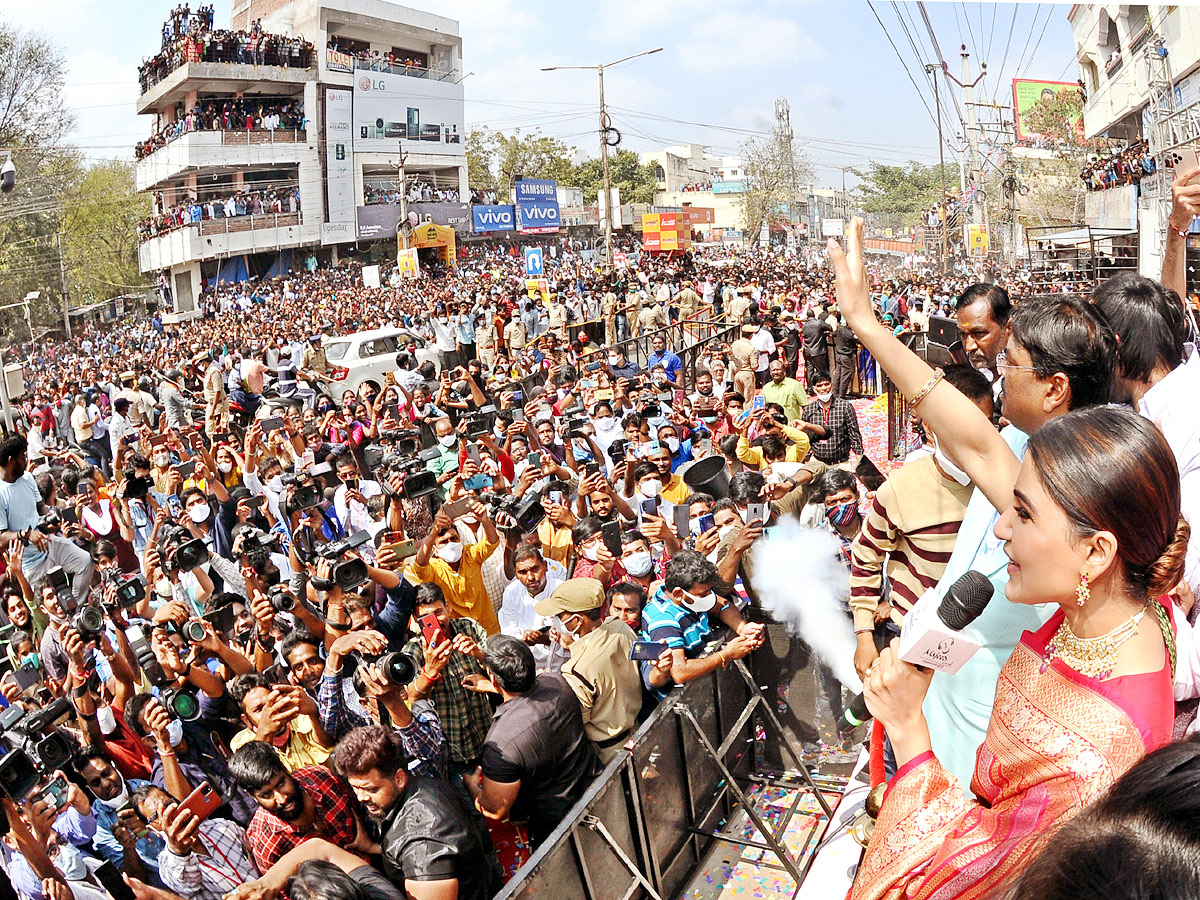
(1093, 657)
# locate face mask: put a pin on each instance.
(590, 553)
(614, 360)
(724, 530)
(451, 552)
(603, 423)
(650, 487)
(843, 513)
(199, 512)
(225, 466)
(161, 460)
(175, 732)
(824, 396)
(70, 862)
(562, 628)
(447, 440)
(275, 483)
(948, 467)
(673, 444)
(698, 604)
(122, 798)
(637, 564)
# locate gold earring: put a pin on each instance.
(1083, 593)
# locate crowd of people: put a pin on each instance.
(224, 114)
(1128, 166)
(268, 201)
(419, 190)
(406, 62)
(376, 638)
(191, 38)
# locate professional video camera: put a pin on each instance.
(51, 522)
(480, 421)
(188, 555)
(256, 547)
(137, 486)
(650, 409)
(129, 590)
(405, 441)
(527, 511)
(346, 573)
(30, 752)
(418, 481)
(305, 494)
(616, 451)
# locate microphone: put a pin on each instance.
(931, 635)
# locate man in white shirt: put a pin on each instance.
(350, 498)
(534, 582)
(764, 343)
(119, 426)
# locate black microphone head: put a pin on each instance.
(855, 714)
(965, 600)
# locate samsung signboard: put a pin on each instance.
(537, 206)
(426, 114)
(488, 218)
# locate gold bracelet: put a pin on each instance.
(928, 386)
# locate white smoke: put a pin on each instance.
(801, 582)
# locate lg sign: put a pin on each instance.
(367, 84)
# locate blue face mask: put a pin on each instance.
(843, 513)
(175, 732)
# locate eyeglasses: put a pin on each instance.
(1003, 363)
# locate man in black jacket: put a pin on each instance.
(816, 344)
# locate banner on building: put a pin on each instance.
(337, 61)
(537, 206)
(426, 114)
(339, 167)
(439, 212)
(485, 218)
(1039, 108)
(666, 232)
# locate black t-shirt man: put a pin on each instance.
(426, 836)
(537, 738)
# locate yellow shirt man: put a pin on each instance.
(464, 589)
(302, 748)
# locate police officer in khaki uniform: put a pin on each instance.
(314, 356)
(515, 335)
(600, 672)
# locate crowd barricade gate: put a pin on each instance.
(644, 825)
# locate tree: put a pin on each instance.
(499, 159)
(33, 121)
(774, 169)
(100, 219)
(636, 182)
(898, 195)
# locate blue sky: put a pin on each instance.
(723, 65)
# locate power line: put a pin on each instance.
(1007, 44)
(1032, 55)
(903, 65)
(1029, 37)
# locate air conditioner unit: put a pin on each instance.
(14, 380)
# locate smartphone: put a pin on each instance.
(478, 482)
(69, 514)
(679, 397)
(603, 394)
(650, 506)
(431, 629)
(203, 801)
(756, 512)
(274, 423)
(27, 678)
(106, 873)
(518, 414)
(759, 402)
(610, 533)
(174, 506)
(594, 367)
(473, 453)
(221, 438)
(647, 650)
(556, 497)
(186, 469)
(401, 549)
(534, 458)
(707, 523)
(683, 520)
(159, 440)
(1184, 158)
(457, 508)
(54, 793)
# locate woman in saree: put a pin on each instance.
(1091, 523)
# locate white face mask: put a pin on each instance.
(696, 604)
(673, 444)
(225, 466)
(603, 423)
(451, 552)
(589, 553)
(651, 487)
(614, 360)
(824, 396)
(175, 732)
(947, 466)
(199, 512)
(161, 460)
(122, 798)
(70, 862)
(447, 440)
(638, 564)
(724, 530)
(275, 484)
(107, 722)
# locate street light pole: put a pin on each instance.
(937, 99)
(605, 127)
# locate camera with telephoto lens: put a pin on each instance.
(88, 621)
(346, 573)
(139, 643)
(281, 597)
(183, 705)
(31, 752)
(396, 668)
(616, 451)
(193, 631)
(306, 495)
(128, 590)
(188, 555)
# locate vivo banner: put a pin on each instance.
(492, 218)
(537, 206)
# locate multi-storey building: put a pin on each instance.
(283, 136)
